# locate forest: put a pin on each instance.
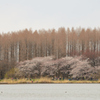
(24, 45)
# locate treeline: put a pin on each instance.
(26, 44)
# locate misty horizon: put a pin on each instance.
(51, 14)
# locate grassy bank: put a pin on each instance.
(42, 80)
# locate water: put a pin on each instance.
(50, 92)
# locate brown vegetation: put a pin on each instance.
(26, 45)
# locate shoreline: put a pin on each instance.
(46, 81)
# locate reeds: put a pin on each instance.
(14, 81)
(43, 80)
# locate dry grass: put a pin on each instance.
(42, 80)
(14, 81)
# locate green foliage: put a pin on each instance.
(11, 73)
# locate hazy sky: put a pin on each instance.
(38, 14)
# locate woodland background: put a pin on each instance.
(26, 45)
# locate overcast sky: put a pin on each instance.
(47, 14)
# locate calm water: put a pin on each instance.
(50, 92)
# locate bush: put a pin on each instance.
(11, 73)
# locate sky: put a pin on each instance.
(17, 15)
